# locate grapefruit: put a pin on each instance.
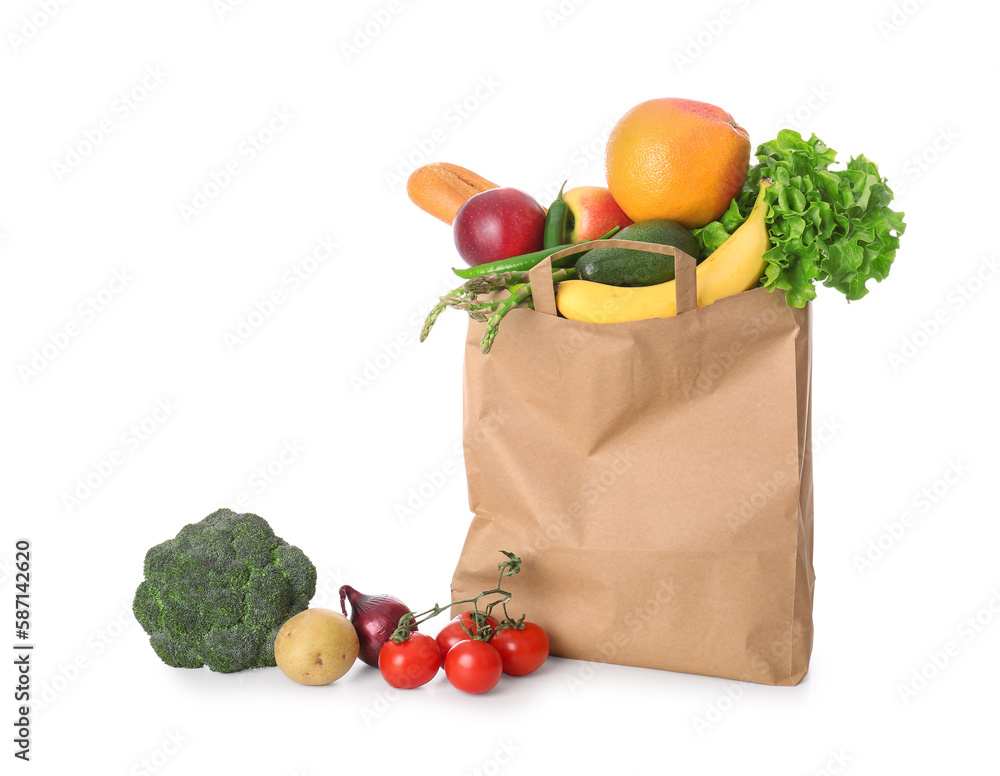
(678, 159)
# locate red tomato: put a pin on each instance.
(452, 633)
(473, 666)
(522, 650)
(410, 663)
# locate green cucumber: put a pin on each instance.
(629, 267)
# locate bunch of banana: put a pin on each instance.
(737, 265)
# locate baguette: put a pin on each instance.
(441, 189)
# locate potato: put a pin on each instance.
(316, 646)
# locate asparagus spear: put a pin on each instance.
(467, 292)
(518, 299)
(490, 311)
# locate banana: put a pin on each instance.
(735, 266)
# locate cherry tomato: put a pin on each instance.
(522, 650)
(466, 618)
(410, 663)
(452, 633)
(473, 666)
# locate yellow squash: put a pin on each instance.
(735, 266)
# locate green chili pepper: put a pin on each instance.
(526, 261)
(555, 221)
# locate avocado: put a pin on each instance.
(627, 267)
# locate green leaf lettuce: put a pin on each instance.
(829, 226)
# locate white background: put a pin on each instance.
(905, 83)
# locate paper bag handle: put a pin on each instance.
(685, 273)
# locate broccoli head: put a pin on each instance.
(218, 593)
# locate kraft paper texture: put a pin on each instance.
(655, 477)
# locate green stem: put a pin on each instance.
(431, 319)
(409, 621)
(508, 304)
(517, 299)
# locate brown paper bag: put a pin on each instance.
(655, 477)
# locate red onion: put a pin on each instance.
(375, 618)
